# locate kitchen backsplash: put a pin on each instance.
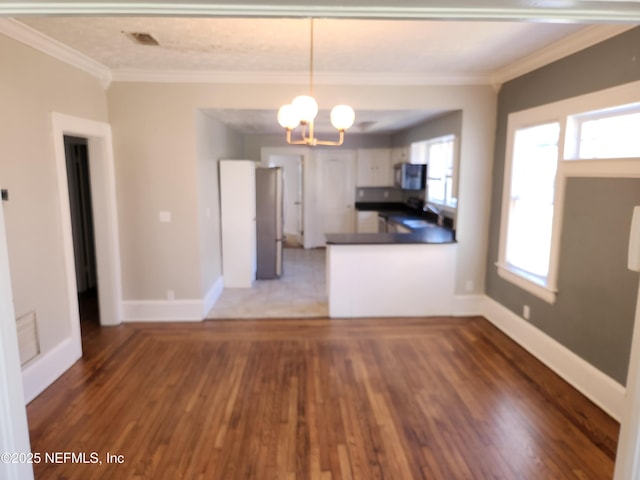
(378, 194)
(386, 195)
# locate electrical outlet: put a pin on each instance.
(526, 312)
(171, 296)
(164, 217)
(469, 286)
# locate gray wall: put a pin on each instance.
(594, 312)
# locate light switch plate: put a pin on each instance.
(164, 217)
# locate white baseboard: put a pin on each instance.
(162, 311)
(43, 370)
(172, 310)
(591, 382)
(212, 296)
(468, 305)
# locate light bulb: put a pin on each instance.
(342, 117)
(287, 117)
(306, 108)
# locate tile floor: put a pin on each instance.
(300, 292)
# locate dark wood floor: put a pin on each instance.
(448, 398)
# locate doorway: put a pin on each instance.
(292, 197)
(81, 210)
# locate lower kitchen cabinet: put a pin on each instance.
(367, 222)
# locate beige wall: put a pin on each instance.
(214, 142)
(155, 137)
(32, 85)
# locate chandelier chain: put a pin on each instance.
(311, 59)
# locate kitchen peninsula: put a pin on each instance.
(391, 274)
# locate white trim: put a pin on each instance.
(105, 217)
(468, 305)
(162, 310)
(628, 456)
(515, 122)
(35, 39)
(540, 291)
(620, 11)
(580, 40)
(14, 431)
(212, 296)
(595, 385)
(45, 369)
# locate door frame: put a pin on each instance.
(628, 454)
(305, 153)
(266, 162)
(105, 216)
(14, 430)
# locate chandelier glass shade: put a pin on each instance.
(303, 110)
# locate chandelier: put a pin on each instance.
(303, 110)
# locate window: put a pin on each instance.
(543, 144)
(535, 159)
(609, 133)
(440, 156)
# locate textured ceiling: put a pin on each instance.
(276, 45)
(255, 47)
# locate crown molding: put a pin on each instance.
(585, 38)
(297, 78)
(28, 36)
(579, 10)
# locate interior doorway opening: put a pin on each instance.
(82, 229)
(293, 208)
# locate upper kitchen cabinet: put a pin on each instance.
(400, 154)
(374, 167)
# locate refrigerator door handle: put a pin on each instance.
(278, 257)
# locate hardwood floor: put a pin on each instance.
(438, 398)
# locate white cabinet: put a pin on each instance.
(374, 167)
(367, 222)
(400, 154)
(358, 280)
(238, 222)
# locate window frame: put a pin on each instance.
(564, 112)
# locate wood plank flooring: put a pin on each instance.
(437, 398)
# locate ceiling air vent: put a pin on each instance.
(142, 38)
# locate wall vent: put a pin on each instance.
(28, 342)
(142, 38)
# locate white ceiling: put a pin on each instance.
(277, 49)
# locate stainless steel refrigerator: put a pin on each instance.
(269, 222)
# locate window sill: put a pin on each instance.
(517, 278)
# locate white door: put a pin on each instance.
(292, 195)
(337, 171)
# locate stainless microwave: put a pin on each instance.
(410, 176)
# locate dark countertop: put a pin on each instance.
(381, 206)
(429, 235)
(396, 212)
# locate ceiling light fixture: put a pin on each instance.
(303, 110)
